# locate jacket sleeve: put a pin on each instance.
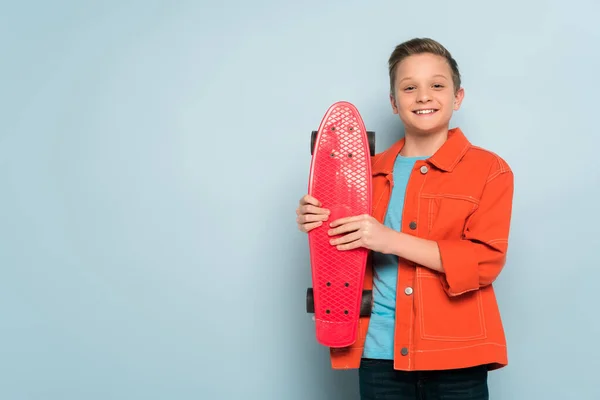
(477, 259)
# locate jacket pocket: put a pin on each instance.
(446, 318)
(447, 214)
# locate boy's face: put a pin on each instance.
(425, 96)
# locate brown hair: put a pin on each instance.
(419, 46)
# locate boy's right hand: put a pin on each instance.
(310, 213)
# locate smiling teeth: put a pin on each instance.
(425, 111)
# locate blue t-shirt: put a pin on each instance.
(380, 335)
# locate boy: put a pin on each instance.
(438, 237)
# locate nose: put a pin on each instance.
(423, 95)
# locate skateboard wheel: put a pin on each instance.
(313, 140)
(366, 303)
(371, 136)
(310, 301)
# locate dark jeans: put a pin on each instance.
(379, 380)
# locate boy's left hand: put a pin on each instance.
(361, 231)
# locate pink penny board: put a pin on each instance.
(340, 178)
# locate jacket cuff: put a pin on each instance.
(461, 266)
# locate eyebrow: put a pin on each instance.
(435, 76)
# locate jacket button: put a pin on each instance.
(412, 225)
(404, 351)
(424, 169)
(408, 291)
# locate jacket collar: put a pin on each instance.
(445, 158)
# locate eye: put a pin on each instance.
(408, 88)
(438, 86)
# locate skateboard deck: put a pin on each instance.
(340, 178)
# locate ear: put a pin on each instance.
(393, 103)
(458, 98)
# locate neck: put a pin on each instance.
(419, 145)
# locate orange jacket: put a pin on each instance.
(461, 197)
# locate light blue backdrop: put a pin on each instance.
(152, 155)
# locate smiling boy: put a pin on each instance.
(438, 236)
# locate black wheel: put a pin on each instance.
(371, 136)
(366, 303)
(313, 140)
(310, 301)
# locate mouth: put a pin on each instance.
(426, 111)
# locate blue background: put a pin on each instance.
(152, 155)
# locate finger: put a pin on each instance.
(305, 218)
(310, 226)
(349, 238)
(308, 199)
(345, 220)
(348, 227)
(309, 209)
(350, 246)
